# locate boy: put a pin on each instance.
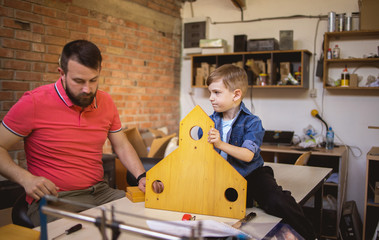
(237, 136)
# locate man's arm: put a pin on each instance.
(34, 186)
(240, 153)
(128, 156)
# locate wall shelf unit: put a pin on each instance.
(371, 208)
(354, 45)
(270, 60)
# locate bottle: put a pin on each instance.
(345, 77)
(330, 139)
(341, 22)
(329, 54)
(336, 52)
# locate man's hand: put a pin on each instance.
(157, 186)
(214, 137)
(37, 187)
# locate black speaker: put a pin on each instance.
(350, 224)
(240, 43)
(193, 32)
(286, 40)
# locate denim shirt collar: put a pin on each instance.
(218, 115)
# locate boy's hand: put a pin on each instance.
(214, 137)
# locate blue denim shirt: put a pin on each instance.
(247, 131)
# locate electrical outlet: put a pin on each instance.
(313, 93)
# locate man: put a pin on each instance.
(64, 126)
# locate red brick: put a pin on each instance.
(16, 44)
(16, 65)
(15, 86)
(78, 10)
(41, 10)
(72, 18)
(27, 16)
(28, 36)
(52, 49)
(96, 31)
(77, 27)
(6, 74)
(6, 52)
(28, 76)
(10, 23)
(31, 56)
(52, 67)
(39, 67)
(54, 22)
(54, 40)
(99, 40)
(59, 32)
(4, 11)
(37, 28)
(6, 106)
(89, 22)
(50, 77)
(6, 32)
(51, 58)
(37, 47)
(6, 95)
(117, 43)
(22, 5)
(78, 35)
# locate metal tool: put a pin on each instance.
(244, 220)
(72, 229)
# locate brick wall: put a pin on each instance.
(141, 67)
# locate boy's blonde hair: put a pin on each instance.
(232, 76)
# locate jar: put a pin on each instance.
(262, 79)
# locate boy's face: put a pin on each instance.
(222, 99)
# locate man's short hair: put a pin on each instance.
(232, 76)
(83, 52)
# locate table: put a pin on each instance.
(305, 182)
(337, 159)
(258, 227)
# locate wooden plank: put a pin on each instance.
(15, 232)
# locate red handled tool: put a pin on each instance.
(188, 217)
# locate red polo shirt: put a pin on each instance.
(62, 142)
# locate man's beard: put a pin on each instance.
(82, 100)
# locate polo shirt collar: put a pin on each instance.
(66, 100)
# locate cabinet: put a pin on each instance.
(334, 187)
(353, 46)
(273, 63)
(371, 210)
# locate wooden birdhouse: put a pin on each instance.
(196, 178)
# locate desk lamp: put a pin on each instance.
(315, 114)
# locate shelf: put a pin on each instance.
(269, 62)
(353, 45)
(351, 88)
(363, 33)
(353, 60)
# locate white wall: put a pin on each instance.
(349, 112)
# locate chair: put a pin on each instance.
(19, 212)
(303, 159)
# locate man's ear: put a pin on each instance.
(237, 94)
(61, 72)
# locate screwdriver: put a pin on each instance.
(72, 229)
